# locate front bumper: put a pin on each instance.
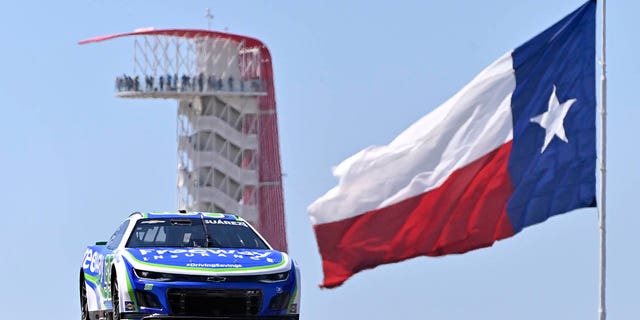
(194, 300)
(285, 317)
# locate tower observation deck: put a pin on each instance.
(227, 133)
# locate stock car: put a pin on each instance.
(187, 265)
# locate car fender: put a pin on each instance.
(91, 291)
(92, 271)
(294, 303)
(123, 273)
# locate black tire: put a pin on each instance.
(84, 315)
(115, 299)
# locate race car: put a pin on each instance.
(187, 265)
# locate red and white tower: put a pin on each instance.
(228, 149)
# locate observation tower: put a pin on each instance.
(227, 132)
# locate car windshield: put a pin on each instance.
(191, 233)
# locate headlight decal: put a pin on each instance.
(274, 277)
(152, 275)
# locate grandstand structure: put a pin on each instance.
(227, 133)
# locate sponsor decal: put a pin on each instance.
(86, 261)
(217, 259)
(93, 260)
(148, 286)
(128, 306)
(161, 254)
(97, 263)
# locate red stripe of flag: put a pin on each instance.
(467, 212)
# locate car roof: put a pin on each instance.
(174, 215)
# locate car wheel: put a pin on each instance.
(115, 299)
(83, 299)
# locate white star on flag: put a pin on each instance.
(552, 121)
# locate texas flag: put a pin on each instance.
(514, 147)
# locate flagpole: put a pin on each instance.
(603, 167)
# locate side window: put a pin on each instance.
(117, 236)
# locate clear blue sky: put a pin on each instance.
(75, 160)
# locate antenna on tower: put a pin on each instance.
(209, 17)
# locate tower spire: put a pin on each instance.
(209, 17)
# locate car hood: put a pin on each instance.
(206, 261)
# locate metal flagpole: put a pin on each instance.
(603, 167)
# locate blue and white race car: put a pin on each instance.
(187, 265)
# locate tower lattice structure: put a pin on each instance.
(227, 133)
